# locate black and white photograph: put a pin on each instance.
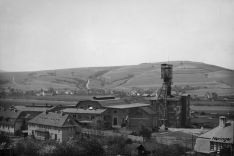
(116, 77)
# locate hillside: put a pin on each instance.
(203, 77)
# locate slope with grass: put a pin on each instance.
(203, 76)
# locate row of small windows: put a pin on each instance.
(77, 116)
(216, 146)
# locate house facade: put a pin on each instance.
(10, 121)
(218, 141)
(56, 126)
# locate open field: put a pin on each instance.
(198, 106)
(213, 109)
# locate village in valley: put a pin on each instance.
(140, 122)
(116, 78)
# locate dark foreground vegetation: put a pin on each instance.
(86, 146)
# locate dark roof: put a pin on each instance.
(105, 102)
(9, 117)
(103, 97)
(51, 119)
(130, 105)
(111, 102)
(148, 110)
(221, 132)
(10, 114)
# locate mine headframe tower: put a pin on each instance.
(165, 92)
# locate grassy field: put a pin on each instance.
(147, 75)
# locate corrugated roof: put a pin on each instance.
(50, 119)
(84, 111)
(132, 105)
(221, 134)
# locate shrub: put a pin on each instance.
(145, 132)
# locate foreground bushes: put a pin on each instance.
(93, 147)
(85, 147)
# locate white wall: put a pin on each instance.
(62, 133)
(7, 129)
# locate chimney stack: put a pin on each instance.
(222, 121)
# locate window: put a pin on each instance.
(212, 146)
(55, 136)
(115, 121)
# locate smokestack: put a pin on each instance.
(222, 121)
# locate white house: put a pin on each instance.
(10, 122)
(218, 141)
(50, 125)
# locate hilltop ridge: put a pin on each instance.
(204, 77)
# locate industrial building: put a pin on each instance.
(109, 112)
(172, 111)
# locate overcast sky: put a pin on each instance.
(53, 34)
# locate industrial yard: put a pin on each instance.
(164, 118)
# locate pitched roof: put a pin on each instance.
(84, 111)
(50, 119)
(221, 134)
(148, 110)
(110, 102)
(105, 102)
(10, 114)
(132, 105)
(9, 117)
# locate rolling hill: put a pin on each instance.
(203, 77)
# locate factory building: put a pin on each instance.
(177, 111)
(172, 111)
(110, 112)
